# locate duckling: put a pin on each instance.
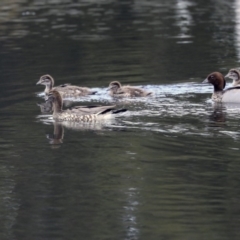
(219, 95)
(234, 74)
(117, 90)
(66, 90)
(79, 113)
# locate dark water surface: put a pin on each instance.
(169, 168)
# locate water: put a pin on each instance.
(168, 168)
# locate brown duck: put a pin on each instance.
(79, 113)
(66, 90)
(117, 90)
(219, 95)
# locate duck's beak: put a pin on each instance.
(228, 75)
(108, 89)
(39, 82)
(205, 81)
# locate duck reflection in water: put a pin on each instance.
(223, 110)
(218, 116)
(45, 107)
(57, 137)
(58, 131)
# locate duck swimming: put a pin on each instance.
(234, 74)
(219, 95)
(79, 113)
(66, 90)
(117, 90)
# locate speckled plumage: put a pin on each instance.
(117, 90)
(80, 114)
(66, 90)
(217, 97)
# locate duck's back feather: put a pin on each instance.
(64, 85)
(67, 90)
(231, 95)
(79, 110)
(85, 114)
(129, 91)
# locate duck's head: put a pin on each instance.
(217, 80)
(234, 74)
(114, 86)
(54, 98)
(46, 80)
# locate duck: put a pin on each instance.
(234, 74)
(66, 90)
(231, 94)
(80, 113)
(117, 90)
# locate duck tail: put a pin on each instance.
(119, 110)
(113, 111)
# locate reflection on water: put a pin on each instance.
(57, 136)
(218, 117)
(237, 27)
(184, 20)
(45, 107)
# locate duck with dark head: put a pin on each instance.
(117, 90)
(219, 94)
(66, 90)
(80, 113)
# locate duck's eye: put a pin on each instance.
(212, 77)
